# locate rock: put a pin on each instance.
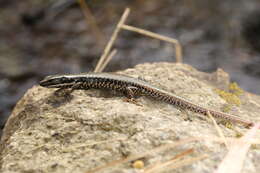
(89, 129)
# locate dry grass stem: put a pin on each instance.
(112, 40)
(109, 57)
(154, 167)
(251, 100)
(92, 23)
(182, 154)
(164, 147)
(233, 162)
(227, 139)
(160, 37)
(173, 164)
(135, 157)
(103, 59)
(186, 162)
(220, 133)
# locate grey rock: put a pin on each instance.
(89, 129)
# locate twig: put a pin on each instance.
(131, 158)
(100, 65)
(162, 148)
(92, 23)
(112, 40)
(233, 161)
(220, 133)
(174, 159)
(158, 36)
(109, 57)
(187, 162)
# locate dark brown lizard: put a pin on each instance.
(131, 87)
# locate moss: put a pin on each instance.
(238, 135)
(226, 108)
(255, 146)
(228, 125)
(235, 89)
(230, 98)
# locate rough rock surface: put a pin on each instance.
(88, 129)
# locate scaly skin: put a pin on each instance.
(132, 87)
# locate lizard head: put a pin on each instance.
(57, 81)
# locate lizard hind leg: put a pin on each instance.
(131, 94)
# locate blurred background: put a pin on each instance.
(43, 37)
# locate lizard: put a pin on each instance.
(132, 87)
